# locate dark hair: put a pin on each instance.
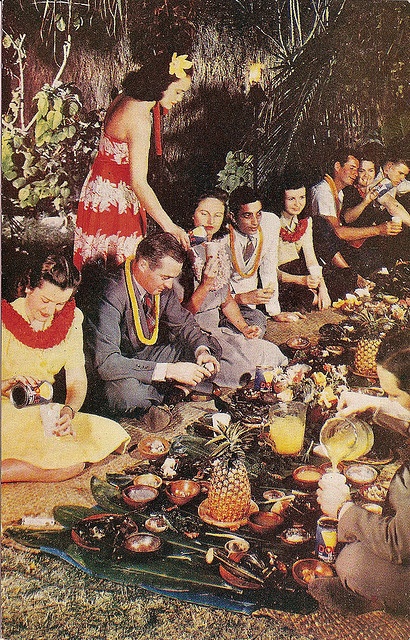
(157, 246)
(292, 178)
(394, 356)
(395, 157)
(57, 270)
(240, 196)
(222, 196)
(342, 154)
(151, 80)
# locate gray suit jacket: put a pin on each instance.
(112, 340)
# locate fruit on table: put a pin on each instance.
(229, 495)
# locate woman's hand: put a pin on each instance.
(289, 316)
(209, 273)
(64, 425)
(181, 235)
(8, 384)
(251, 331)
(323, 298)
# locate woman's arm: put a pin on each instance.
(138, 137)
(194, 304)
(232, 312)
(76, 390)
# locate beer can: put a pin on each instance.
(24, 395)
(263, 379)
(326, 539)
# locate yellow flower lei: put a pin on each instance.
(252, 271)
(178, 65)
(135, 309)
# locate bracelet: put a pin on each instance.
(72, 410)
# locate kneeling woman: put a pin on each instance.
(207, 296)
(42, 334)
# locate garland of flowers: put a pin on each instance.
(24, 332)
(296, 234)
(135, 308)
(253, 270)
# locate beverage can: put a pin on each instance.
(24, 395)
(263, 378)
(326, 539)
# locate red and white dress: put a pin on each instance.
(110, 219)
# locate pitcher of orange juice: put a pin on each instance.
(287, 422)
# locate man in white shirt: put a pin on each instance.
(254, 238)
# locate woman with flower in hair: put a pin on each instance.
(42, 334)
(116, 197)
(301, 284)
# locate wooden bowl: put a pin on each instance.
(97, 532)
(307, 476)
(298, 343)
(374, 493)
(308, 569)
(153, 447)
(264, 522)
(138, 496)
(142, 544)
(360, 474)
(237, 545)
(180, 492)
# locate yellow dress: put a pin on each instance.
(22, 430)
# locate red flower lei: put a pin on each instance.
(296, 234)
(46, 339)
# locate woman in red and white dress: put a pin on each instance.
(116, 197)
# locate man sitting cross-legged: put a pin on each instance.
(142, 341)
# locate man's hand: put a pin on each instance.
(351, 402)
(257, 296)
(389, 228)
(188, 373)
(208, 362)
(285, 316)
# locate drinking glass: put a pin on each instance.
(287, 422)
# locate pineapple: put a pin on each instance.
(374, 329)
(229, 495)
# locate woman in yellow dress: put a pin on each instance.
(42, 334)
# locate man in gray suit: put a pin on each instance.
(143, 343)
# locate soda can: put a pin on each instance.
(263, 379)
(326, 539)
(24, 395)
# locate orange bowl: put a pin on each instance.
(264, 522)
(153, 447)
(308, 569)
(307, 476)
(138, 496)
(180, 492)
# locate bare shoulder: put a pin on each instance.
(124, 113)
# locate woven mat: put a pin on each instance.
(39, 499)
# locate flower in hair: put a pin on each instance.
(178, 65)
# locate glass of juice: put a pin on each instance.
(287, 421)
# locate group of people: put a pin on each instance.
(175, 314)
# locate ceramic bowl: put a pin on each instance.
(142, 544)
(298, 343)
(360, 474)
(237, 545)
(264, 522)
(295, 535)
(156, 524)
(307, 476)
(374, 493)
(153, 447)
(180, 492)
(271, 495)
(138, 496)
(149, 480)
(307, 569)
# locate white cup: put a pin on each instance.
(397, 220)
(50, 413)
(220, 418)
(211, 250)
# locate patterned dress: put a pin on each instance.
(110, 219)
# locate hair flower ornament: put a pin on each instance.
(178, 65)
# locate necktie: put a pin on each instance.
(148, 306)
(248, 250)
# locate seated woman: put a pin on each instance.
(42, 334)
(206, 294)
(374, 566)
(298, 290)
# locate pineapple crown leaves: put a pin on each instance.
(232, 440)
(370, 322)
